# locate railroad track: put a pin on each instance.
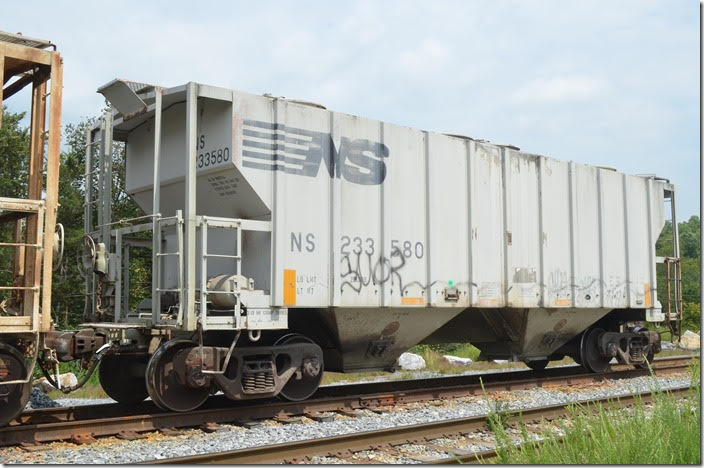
(83, 423)
(386, 440)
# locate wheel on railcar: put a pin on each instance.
(172, 384)
(590, 355)
(13, 397)
(122, 377)
(304, 383)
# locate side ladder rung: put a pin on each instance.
(222, 256)
(167, 254)
(18, 244)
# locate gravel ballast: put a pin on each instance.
(157, 446)
(38, 399)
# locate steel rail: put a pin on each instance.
(345, 445)
(85, 422)
(219, 401)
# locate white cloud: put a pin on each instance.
(430, 56)
(560, 89)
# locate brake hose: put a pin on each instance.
(94, 361)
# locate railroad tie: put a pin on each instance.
(210, 427)
(320, 417)
(386, 448)
(81, 439)
(33, 446)
(130, 435)
(171, 431)
(341, 454)
(423, 458)
(351, 413)
(288, 419)
(250, 423)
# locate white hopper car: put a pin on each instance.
(287, 239)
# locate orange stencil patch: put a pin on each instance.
(290, 287)
(412, 301)
(646, 292)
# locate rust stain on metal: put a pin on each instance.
(559, 325)
(391, 328)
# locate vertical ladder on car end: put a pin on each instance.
(176, 220)
(221, 223)
(673, 278)
(97, 198)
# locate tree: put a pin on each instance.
(14, 148)
(690, 258)
(68, 291)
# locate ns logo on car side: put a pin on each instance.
(277, 147)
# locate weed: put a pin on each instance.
(666, 432)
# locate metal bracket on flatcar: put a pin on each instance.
(378, 347)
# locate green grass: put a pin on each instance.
(332, 377)
(668, 432)
(466, 350)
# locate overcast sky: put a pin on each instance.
(611, 83)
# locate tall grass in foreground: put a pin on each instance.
(666, 433)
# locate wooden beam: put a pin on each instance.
(14, 320)
(20, 204)
(18, 85)
(18, 262)
(29, 54)
(11, 71)
(33, 257)
(12, 216)
(36, 144)
(52, 184)
(15, 324)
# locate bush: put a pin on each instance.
(465, 350)
(691, 318)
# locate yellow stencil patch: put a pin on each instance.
(290, 287)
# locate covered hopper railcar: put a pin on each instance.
(287, 239)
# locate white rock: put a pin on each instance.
(689, 340)
(667, 345)
(66, 380)
(501, 361)
(410, 361)
(456, 361)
